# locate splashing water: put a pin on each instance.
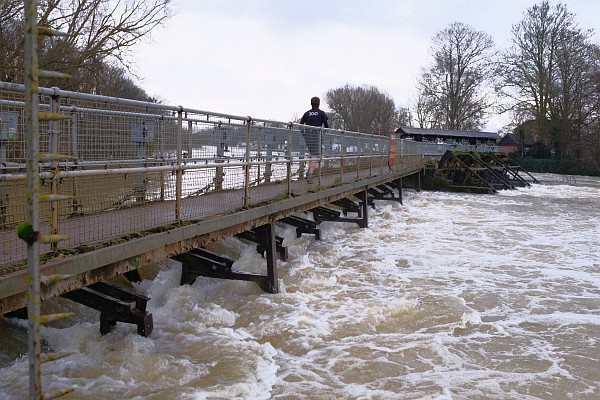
(450, 296)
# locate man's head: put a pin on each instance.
(315, 102)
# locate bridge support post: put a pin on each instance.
(364, 203)
(266, 235)
(400, 191)
(397, 184)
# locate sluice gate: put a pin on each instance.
(477, 172)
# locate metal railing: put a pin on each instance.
(125, 154)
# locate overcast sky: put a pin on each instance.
(267, 58)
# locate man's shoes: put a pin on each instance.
(309, 178)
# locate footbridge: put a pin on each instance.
(123, 184)
(107, 186)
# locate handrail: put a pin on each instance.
(127, 153)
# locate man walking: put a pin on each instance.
(318, 118)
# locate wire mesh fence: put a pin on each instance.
(135, 166)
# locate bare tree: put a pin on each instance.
(362, 109)
(429, 113)
(569, 104)
(531, 61)
(100, 34)
(548, 72)
(405, 117)
(11, 40)
(342, 101)
(9, 9)
(453, 88)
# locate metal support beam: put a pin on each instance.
(347, 206)
(201, 262)
(321, 214)
(512, 169)
(327, 214)
(115, 304)
(133, 276)
(252, 236)
(303, 226)
(363, 196)
(370, 199)
(396, 184)
(384, 192)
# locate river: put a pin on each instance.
(447, 297)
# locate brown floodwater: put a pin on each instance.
(447, 297)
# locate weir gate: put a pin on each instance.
(142, 182)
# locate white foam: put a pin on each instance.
(449, 296)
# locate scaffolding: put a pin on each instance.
(29, 230)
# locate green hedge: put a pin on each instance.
(563, 167)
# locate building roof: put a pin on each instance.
(507, 140)
(408, 131)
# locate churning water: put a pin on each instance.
(450, 296)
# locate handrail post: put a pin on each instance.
(342, 152)
(289, 161)
(179, 179)
(320, 161)
(372, 156)
(247, 166)
(190, 146)
(358, 155)
(161, 175)
(74, 126)
(258, 153)
(53, 149)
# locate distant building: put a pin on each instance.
(508, 144)
(448, 136)
(526, 136)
